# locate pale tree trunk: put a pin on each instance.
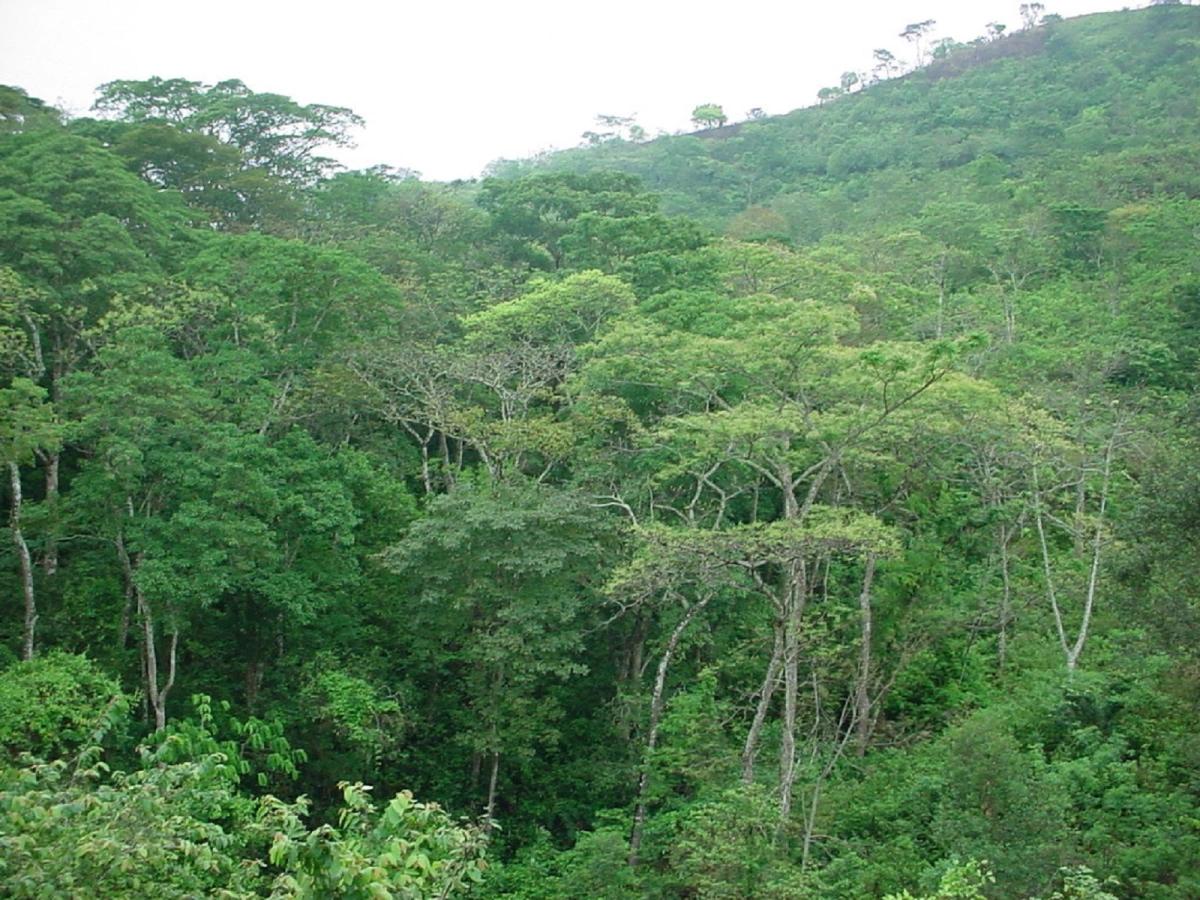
(156, 694)
(24, 562)
(1010, 318)
(862, 699)
(490, 809)
(1073, 650)
(770, 681)
(1093, 575)
(657, 702)
(810, 821)
(1051, 594)
(50, 553)
(941, 307)
(796, 595)
(490, 806)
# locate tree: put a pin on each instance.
(20, 112)
(80, 232)
(507, 619)
(1088, 533)
(915, 33)
(1031, 14)
(709, 115)
(530, 216)
(616, 128)
(273, 132)
(943, 47)
(885, 62)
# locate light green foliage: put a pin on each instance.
(965, 881)
(27, 422)
(55, 704)
(1078, 883)
(175, 827)
(406, 850)
(567, 312)
(362, 720)
(709, 115)
(179, 827)
(255, 749)
(74, 830)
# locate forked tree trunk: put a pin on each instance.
(1074, 649)
(156, 694)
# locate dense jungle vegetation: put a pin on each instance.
(803, 507)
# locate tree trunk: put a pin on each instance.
(797, 593)
(1049, 575)
(770, 681)
(154, 693)
(476, 768)
(255, 670)
(862, 700)
(494, 732)
(1093, 575)
(491, 797)
(656, 708)
(24, 562)
(50, 553)
(810, 823)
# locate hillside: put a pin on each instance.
(1094, 110)
(803, 508)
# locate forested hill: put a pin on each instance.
(808, 507)
(1096, 110)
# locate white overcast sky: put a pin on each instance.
(447, 87)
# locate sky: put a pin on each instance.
(447, 87)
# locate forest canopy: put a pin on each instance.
(802, 507)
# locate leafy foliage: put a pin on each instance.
(822, 524)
